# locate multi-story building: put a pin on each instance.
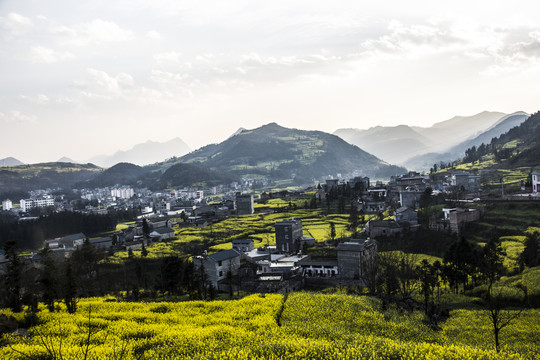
(468, 181)
(353, 257)
(243, 245)
(218, 265)
(39, 202)
(288, 235)
(244, 204)
(123, 193)
(7, 205)
(535, 182)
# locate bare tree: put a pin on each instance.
(496, 309)
(369, 272)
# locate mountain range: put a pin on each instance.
(280, 152)
(425, 161)
(144, 154)
(271, 151)
(415, 147)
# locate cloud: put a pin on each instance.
(154, 35)
(101, 85)
(39, 99)
(96, 31)
(41, 54)
(171, 56)
(414, 40)
(15, 116)
(282, 68)
(15, 24)
(517, 50)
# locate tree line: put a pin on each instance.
(86, 272)
(30, 234)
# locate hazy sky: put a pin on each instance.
(81, 78)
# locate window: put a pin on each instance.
(221, 273)
(219, 263)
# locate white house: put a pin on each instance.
(7, 205)
(40, 202)
(535, 182)
(218, 265)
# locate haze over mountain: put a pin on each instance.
(425, 161)
(397, 144)
(10, 161)
(144, 154)
(65, 159)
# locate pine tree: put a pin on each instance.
(145, 227)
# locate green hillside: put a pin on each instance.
(121, 174)
(281, 152)
(45, 175)
(511, 157)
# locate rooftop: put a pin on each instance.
(391, 224)
(224, 255)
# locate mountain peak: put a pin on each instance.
(284, 152)
(10, 161)
(65, 159)
(145, 153)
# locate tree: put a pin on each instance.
(332, 231)
(85, 267)
(70, 288)
(492, 266)
(461, 260)
(495, 309)
(406, 274)
(353, 220)
(12, 278)
(388, 279)
(531, 253)
(144, 252)
(429, 279)
(369, 272)
(49, 280)
(425, 198)
(145, 227)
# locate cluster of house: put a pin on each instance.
(404, 193)
(284, 267)
(151, 204)
(132, 238)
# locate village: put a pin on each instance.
(284, 266)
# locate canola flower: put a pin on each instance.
(313, 326)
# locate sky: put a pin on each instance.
(89, 77)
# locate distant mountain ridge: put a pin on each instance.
(425, 161)
(65, 159)
(400, 144)
(144, 154)
(10, 161)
